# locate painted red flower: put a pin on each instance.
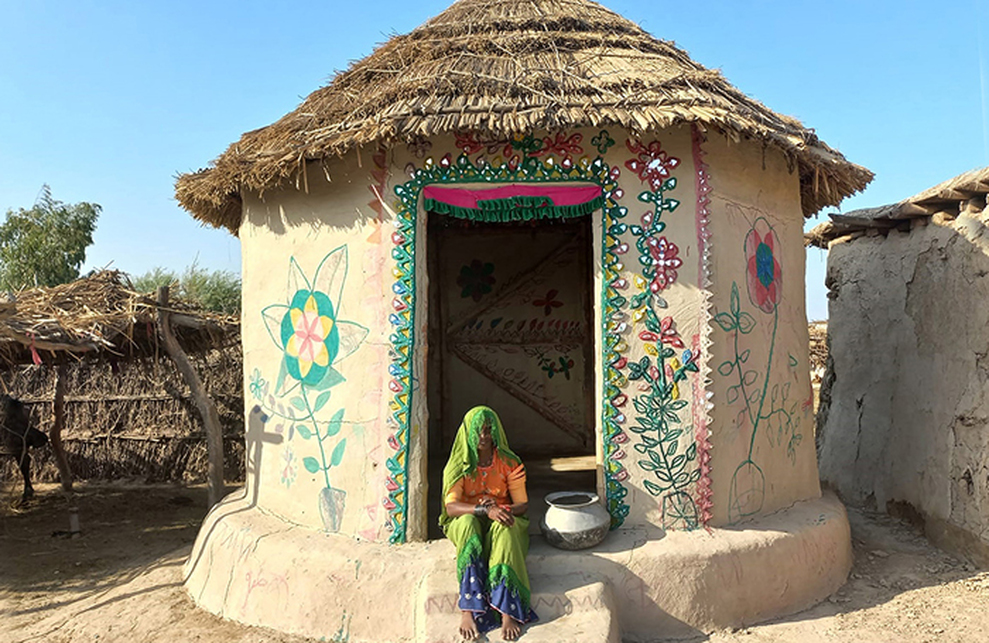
(669, 333)
(651, 163)
(665, 262)
(549, 302)
(763, 271)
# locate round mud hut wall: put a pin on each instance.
(692, 312)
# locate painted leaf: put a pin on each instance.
(652, 321)
(733, 304)
(744, 357)
(652, 487)
(670, 450)
(298, 403)
(303, 431)
(311, 464)
(647, 465)
(337, 456)
(321, 401)
(330, 379)
(726, 368)
(335, 424)
(746, 323)
(725, 321)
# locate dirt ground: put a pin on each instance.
(121, 579)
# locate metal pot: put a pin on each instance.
(575, 520)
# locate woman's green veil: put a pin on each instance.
(463, 454)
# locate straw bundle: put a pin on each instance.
(504, 67)
(96, 314)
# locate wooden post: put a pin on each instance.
(205, 405)
(64, 473)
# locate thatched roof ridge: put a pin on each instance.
(502, 67)
(99, 315)
(967, 192)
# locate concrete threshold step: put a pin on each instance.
(573, 608)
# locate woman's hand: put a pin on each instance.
(502, 515)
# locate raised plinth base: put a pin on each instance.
(639, 585)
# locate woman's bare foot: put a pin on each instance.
(468, 628)
(510, 628)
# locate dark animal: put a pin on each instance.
(17, 436)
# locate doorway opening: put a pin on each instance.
(510, 326)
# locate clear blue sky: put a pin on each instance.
(108, 101)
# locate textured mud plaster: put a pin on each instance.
(909, 328)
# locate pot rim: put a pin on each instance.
(592, 499)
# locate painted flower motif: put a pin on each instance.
(665, 262)
(651, 163)
(669, 334)
(308, 329)
(672, 367)
(549, 302)
(259, 386)
(476, 280)
(602, 141)
(420, 146)
(290, 469)
(763, 272)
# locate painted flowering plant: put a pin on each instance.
(312, 338)
(761, 405)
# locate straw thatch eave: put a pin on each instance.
(503, 67)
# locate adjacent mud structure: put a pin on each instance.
(535, 205)
(905, 429)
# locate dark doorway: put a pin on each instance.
(510, 326)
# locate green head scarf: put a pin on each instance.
(463, 454)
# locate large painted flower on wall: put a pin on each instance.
(763, 272)
(308, 329)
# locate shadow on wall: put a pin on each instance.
(319, 201)
(255, 439)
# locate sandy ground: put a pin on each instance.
(121, 579)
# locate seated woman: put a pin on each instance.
(484, 515)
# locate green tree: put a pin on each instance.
(46, 244)
(217, 290)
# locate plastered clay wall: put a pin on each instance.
(316, 299)
(906, 429)
(335, 325)
(762, 429)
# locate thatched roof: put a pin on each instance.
(98, 315)
(501, 67)
(967, 192)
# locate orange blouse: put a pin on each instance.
(499, 481)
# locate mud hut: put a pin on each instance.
(907, 402)
(536, 205)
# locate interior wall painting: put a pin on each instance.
(313, 339)
(521, 324)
